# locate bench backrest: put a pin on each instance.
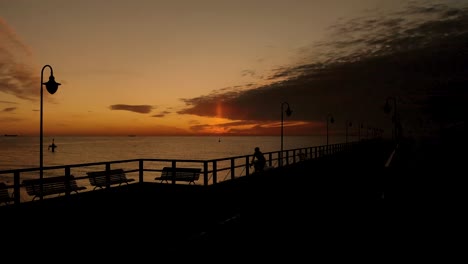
(51, 185)
(188, 174)
(99, 178)
(4, 195)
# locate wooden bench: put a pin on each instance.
(100, 179)
(51, 185)
(189, 175)
(4, 194)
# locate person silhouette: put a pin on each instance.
(258, 160)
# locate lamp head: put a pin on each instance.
(332, 120)
(387, 107)
(52, 85)
(288, 111)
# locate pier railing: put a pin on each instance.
(213, 171)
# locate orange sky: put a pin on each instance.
(208, 67)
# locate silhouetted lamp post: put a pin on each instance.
(361, 126)
(388, 109)
(288, 113)
(348, 124)
(331, 120)
(51, 87)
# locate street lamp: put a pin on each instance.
(387, 109)
(329, 118)
(348, 124)
(288, 113)
(51, 87)
(361, 126)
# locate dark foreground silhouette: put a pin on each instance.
(316, 200)
(328, 207)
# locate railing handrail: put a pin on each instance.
(210, 167)
(75, 165)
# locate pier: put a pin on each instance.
(336, 189)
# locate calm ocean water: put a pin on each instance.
(23, 152)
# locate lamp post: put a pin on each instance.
(387, 109)
(361, 126)
(288, 113)
(331, 120)
(51, 87)
(348, 124)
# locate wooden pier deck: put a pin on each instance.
(321, 201)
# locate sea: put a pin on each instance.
(19, 152)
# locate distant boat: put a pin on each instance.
(132, 135)
(11, 135)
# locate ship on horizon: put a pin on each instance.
(10, 135)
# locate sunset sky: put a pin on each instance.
(184, 67)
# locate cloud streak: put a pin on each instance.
(141, 109)
(16, 76)
(161, 114)
(9, 109)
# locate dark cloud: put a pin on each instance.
(142, 109)
(161, 114)
(250, 73)
(418, 55)
(9, 109)
(16, 76)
